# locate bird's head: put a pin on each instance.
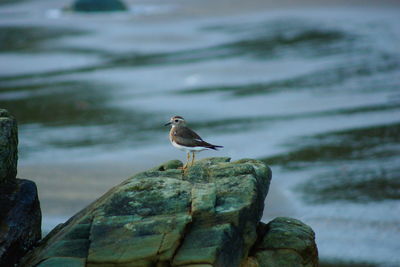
(176, 120)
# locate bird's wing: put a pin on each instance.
(187, 133)
(187, 137)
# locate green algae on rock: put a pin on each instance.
(163, 217)
(206, 216)
(285, 242)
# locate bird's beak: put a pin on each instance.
(169, 123)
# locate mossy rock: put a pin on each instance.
(285, 242)
(205, 216)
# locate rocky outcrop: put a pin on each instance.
(98, 5)
(163, 217)
(8, 147)
(20, 220)
(206, 216)
(284, 242)
(20, 215)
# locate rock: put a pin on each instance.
(20, 215)
(162, 217)
(98, 5)
(208, 216)
(285, 242)
(8, 147)
(20, 220)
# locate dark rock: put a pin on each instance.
(20, 215)
(98, 5)
(8, 147)
(20, 220)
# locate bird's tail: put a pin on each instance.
(215, 147)
(210, 146)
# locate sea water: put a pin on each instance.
(312, 90)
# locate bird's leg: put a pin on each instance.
(187, 162)
(193, 159)
(184, 167)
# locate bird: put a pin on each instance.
(185, 139)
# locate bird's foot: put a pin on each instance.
(184, 167)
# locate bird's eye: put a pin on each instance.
(176, 120)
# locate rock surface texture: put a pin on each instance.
(20, 220)
(207, 216)
(8, 147)
(284, 242)
(20, 215)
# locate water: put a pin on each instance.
(312, 90)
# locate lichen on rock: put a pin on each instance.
(165, 217)
(208, 216)
(285, 242)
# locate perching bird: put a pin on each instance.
(185, 139)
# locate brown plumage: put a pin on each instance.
(186, 139)
(185, 136)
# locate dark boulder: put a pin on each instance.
(20, 220)
(20, 215)
(8, 147)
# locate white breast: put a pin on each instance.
(188, 149)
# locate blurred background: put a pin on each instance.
(310, 87)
